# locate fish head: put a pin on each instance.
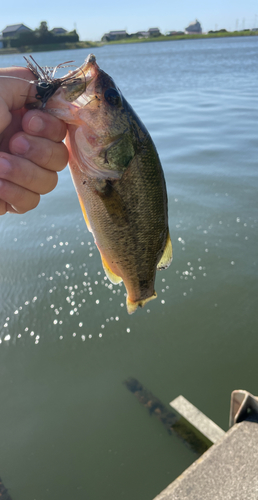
(107, 134)
(107, 129)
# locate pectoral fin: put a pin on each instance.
(167, 256)
(85, 214)
(113, 201)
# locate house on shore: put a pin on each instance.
(193, 28)
(146, 34)
(154, 32)
(120, 35)
(59, 31)
(14, 30)
(114, 35)
(175, 33)
(141, 34)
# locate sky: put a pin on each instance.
(93, 19)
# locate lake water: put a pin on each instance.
(69, 427)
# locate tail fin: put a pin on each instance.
(132, 305)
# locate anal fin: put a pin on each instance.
(167, 255)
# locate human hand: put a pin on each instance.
(31, 148)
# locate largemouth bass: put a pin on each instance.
(118, 178)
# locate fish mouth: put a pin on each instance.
(72, 85)
(75, 83)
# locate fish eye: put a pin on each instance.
(112, 97)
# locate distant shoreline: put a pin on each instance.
(164, 38)
(86, 45)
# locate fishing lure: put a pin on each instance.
(46, 84)
(45, 81)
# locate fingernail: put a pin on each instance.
(20, 145)
(36, 124)
(5, 166)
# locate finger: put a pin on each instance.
(40, 123)
(17, 198)
(14, 127)
(26, 174)
(3, 207)
(6, 116)
(43, 152)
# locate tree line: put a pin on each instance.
(40, 36)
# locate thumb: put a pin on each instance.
(13, 92)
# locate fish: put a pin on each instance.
(117, 175)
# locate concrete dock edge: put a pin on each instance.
(228, 470)
(197, 420)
